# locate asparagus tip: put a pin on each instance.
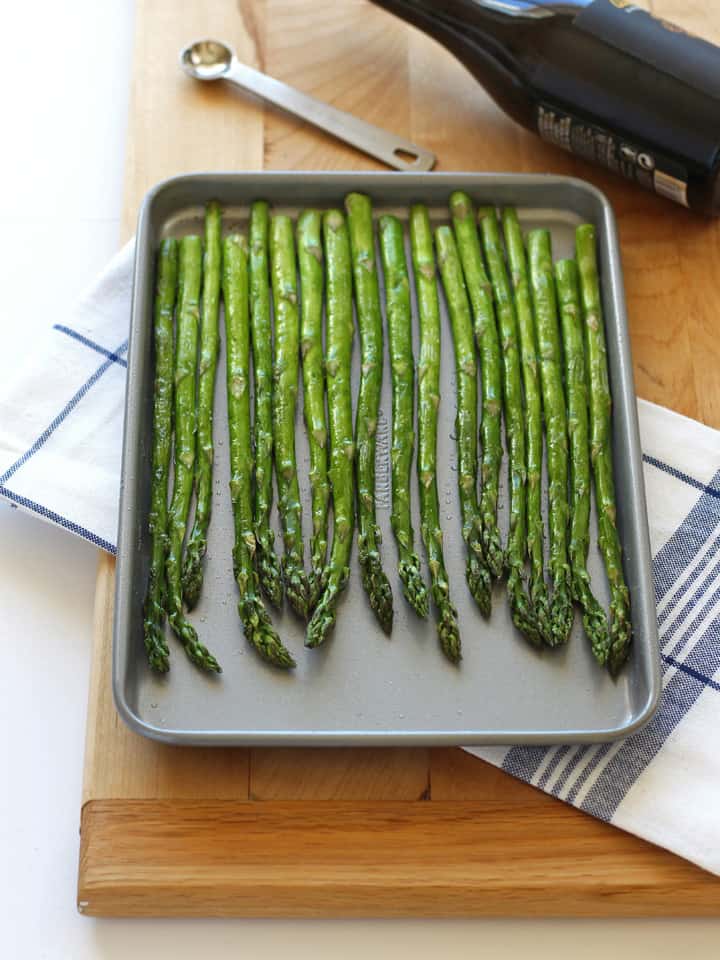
(158, 652)
(192, 575)
(494, 554)
(594, 620)
(316, 585)
(562, 613)
(414, 588)
(523, 615)
(269, 573)
(323, 618)
(541, 610)
(478, 580)
(620, 639)
(297, 588)
(261, 634)
(196, 651)
(449, 632)
(377, 586)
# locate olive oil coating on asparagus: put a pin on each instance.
(601, 447)
(428, 376)
(369, 318)
(310, 257)
(402, 366)
(259, 632)
(188, 314)
(520, 606)
(593, 616)
(486, 335)
(154, 611)
(542, 284)
(192, 577)
(517, 261)
(466, 433)
(285, 387)
(338, 352)
(267, 562)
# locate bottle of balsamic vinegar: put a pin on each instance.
(603, 79)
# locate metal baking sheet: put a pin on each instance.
(361, 687)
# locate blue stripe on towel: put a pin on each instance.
(523, 762)
(680, 694)
(68, 408)
(81, 338)
(679, 595)
(673, 639)
(552, 766)
(684, 545)
(56, 518)
(599, 753)
(711, 488)
(694, 674)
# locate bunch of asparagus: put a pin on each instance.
(537, 332)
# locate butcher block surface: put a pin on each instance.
(170, 831)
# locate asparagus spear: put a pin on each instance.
(594, 619)
(192, 577)
(339, 338)
(267, 563)
(520, 606)
(488, 344)
(601, 447)
(477, 572)
(310, 256)
(399, 320)
(258, 630)
(154, 635)
(428, 403)
(543, 291)
(285, 380)
(367, 298)
(189, 279)
(533, 416)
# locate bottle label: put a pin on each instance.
(605, 148)
(626, 26)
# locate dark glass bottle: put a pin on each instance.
(600, 78)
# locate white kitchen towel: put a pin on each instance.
(61, 415)
(60, 436)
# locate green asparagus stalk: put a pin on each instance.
(310, 256)
(196, 548)
(189, 280)
(154, 620)
(339, 338)
(258, 630)
(285, 383)
(480, 292)
(594, 619)
(402, 366)
(521, 608)
(267, 563)
(517, 262)
(477, 572)
(601, 447)
(428, 404)
(542, 284)
(367, 299)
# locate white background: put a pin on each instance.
(63, 103)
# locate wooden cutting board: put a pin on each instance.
(396, 832)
